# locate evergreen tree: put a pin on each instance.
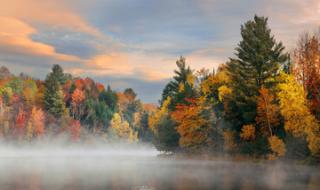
(53, 95)
(110, 98)
(57, 74)
(182, 85)
(259, 60)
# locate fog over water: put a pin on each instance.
(140, 167)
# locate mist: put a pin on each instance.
(139, 166)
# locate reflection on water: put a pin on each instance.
(142, 169)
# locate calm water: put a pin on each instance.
(141, 169)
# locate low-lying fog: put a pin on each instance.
(139, 167)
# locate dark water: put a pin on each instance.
(142, 169)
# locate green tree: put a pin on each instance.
(259, 60)
(182, 85)
(53, 95)
(58, 74)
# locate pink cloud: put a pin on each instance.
(54, 13)
(15, 37)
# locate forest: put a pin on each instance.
(264, 102)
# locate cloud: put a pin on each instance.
(52, 13)
(129, 64)
(15, 38)
(136, 43)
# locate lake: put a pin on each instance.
(141, 168)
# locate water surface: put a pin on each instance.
(112, 168)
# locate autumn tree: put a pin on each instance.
(307, 69)
(121, 130)
(298, 120)
(248, 132)
(38, 120)
(193, 127)
(267, 112)
(166, 138)
(78, 98)
(29, 91)
(215, 88)
(36, 123)
(277, 147)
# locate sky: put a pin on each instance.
(135, 43)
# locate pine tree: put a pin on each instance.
(259, 60)
(53, 95)
(182, 85)
(57, 74)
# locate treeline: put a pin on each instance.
(264, 102)
(77, 109)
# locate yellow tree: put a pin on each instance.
(121, 130)
(156, 117)
(297, 117)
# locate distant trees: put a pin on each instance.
(78, 98)
(36, 124)
(121, 130)
(78, 107)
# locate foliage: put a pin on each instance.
(259, 58)
(297, 118)
(277, 146)
(78, 97)
(53, 95)
(307, 64)
(120, 129)
(248, 132)
(267, 112)
(192, 126)
(181, 87)
(166, 138)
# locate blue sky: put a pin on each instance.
(135, 43)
